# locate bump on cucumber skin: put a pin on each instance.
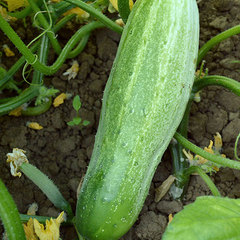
(143, 104)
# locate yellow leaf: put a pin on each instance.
(115, 4)
(15, 4)
(78, 11)
(3, 12)
(34, 125)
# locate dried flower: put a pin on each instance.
(8, 52)
(170, 218)
(16, 159)
(32, 209)
(60, 99)
(34, 125)
(81, 14)
(3, 12)
(120, 22)
(16, 112)
(72, 71)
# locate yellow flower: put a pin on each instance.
(29, 230)
(34, 125)
(16, 159)
(8, 52)
(36, 231)
(51, 230)
(204, 163)
(72, 71)
(208, 149)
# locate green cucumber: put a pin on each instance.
(143, 104)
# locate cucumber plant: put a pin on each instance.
(77, 121)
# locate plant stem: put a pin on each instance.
(225, 162)
(97, 14)
(226, 82)
(47, 26)
(178, 158)
(21, 61)
(62, 22)
(34, 111)
(216, 40)
(76, 51)
(124, 10)
(31, 58)
(205, 177)
(41, 219)
(10, 215)
(15, 102)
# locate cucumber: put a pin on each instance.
(143, 104)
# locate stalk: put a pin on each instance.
(216, 40)
(225, 162)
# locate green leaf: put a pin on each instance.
(77, 120)
(71, 123)
(208, 218)
(85, 122)
(77, 103)
(44, 94)
(124, 10)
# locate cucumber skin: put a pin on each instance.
(143, 104)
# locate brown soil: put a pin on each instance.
(63, 152)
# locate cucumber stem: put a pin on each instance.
(216, 80)
(216, 40)
(97, 14)
(205, 177)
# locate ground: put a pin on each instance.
(63, 152)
